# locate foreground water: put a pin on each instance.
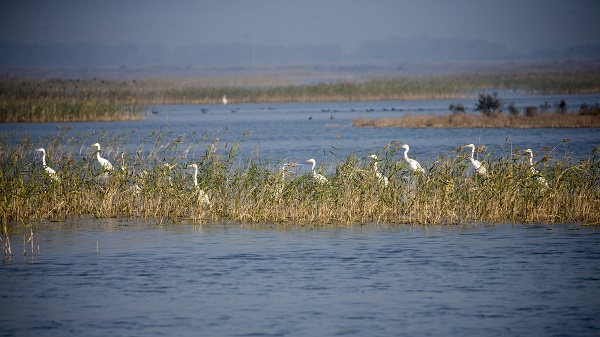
(107, 277)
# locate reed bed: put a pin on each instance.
(98, 99)
(544, 120)
(158, 187)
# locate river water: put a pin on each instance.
(129, 278)
(299, 131)
(115, 278)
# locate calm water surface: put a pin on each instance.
(107, 277)
(227, 280)
(285, 132)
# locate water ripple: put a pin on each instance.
(493, 281)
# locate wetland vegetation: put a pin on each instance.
(492, 116)
(158, 186)
(58, 100)
(544, 120)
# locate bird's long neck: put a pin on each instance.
(531, 159)
(406, 154)
(375, 168)
(472, 153)
(282, 173)
(196, 176)
(44, 159)
(313, 167)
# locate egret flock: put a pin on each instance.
(413, 166)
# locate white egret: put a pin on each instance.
(106, 165)
(479, 168)
(51, 173)
(280, 183)
(533, 170)
(412, 164)
(123, 166)
(224, 100)
(284, 168)
(318, 177)
(168, 167)
(202, 195)
(380, 177)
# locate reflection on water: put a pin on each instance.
(99, 277)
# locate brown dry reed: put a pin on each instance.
(545, 120)
(157, 187)
(61, 100)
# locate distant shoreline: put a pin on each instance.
(61, 100)
(545, 120)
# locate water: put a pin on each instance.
(285, 132)
(120, 278)
(226, 280)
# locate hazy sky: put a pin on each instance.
(520, 25)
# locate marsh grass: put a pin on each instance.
(62, 100)
(158, 187)
(546, 120)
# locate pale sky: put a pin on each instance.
(519, 25)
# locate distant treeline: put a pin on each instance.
(28, 100)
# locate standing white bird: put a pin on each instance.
(201, 194)
(284, 169)
(51, 173)
(123, 166)
(380, 177)
(412, 164)
(318, 177)
(224, 100)
(280, 183)
(106, 165)
(479, 168)
(533, 170)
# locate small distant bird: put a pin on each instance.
(412, 164)
(202, 195)
(224, 100)
(51, 173)
(380, 177)
(123, 166)
(280, 184)
(318, 177)
(106, 165)
(535, 172)
(479, 168)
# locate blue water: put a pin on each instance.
(276, 132)
(117, 278)
(131, 278)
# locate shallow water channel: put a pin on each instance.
(118, 278)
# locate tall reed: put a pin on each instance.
(158, 186)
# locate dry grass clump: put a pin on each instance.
(158, 187)
(546, 120)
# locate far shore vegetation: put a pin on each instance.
(492, 115)
(95, 99)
